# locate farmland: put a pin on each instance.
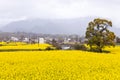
(59, 64)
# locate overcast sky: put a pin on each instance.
(14, 10)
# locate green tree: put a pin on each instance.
(98, 34)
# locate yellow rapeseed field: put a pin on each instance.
(20, 45)
(60, 65)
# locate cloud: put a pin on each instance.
(17, 9)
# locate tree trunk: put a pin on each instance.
(100, 49)
(91, 48)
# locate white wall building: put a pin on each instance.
(14, 39)
(26, 40)
(41, 40)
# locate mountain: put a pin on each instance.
(51, 26)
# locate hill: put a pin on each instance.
(52, 26)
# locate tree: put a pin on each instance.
(98, 34)
(117, 40)
(56, 44)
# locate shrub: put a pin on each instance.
(79, 47)
(49, 48)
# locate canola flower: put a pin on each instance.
(21, 45)
(60, 65)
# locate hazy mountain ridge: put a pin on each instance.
(52, 26)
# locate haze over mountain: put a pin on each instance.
(56, 16)
(52, 26)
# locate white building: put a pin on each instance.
(26, 40)
(41, 40)
(67, 40)
(65, 47)
(14, 39)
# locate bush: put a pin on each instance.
(79, 47)
(58, 47)
(49, 48)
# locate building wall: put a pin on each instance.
(41, 41)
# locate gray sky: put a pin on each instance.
(14, 10)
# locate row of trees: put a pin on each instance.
(118, 40)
